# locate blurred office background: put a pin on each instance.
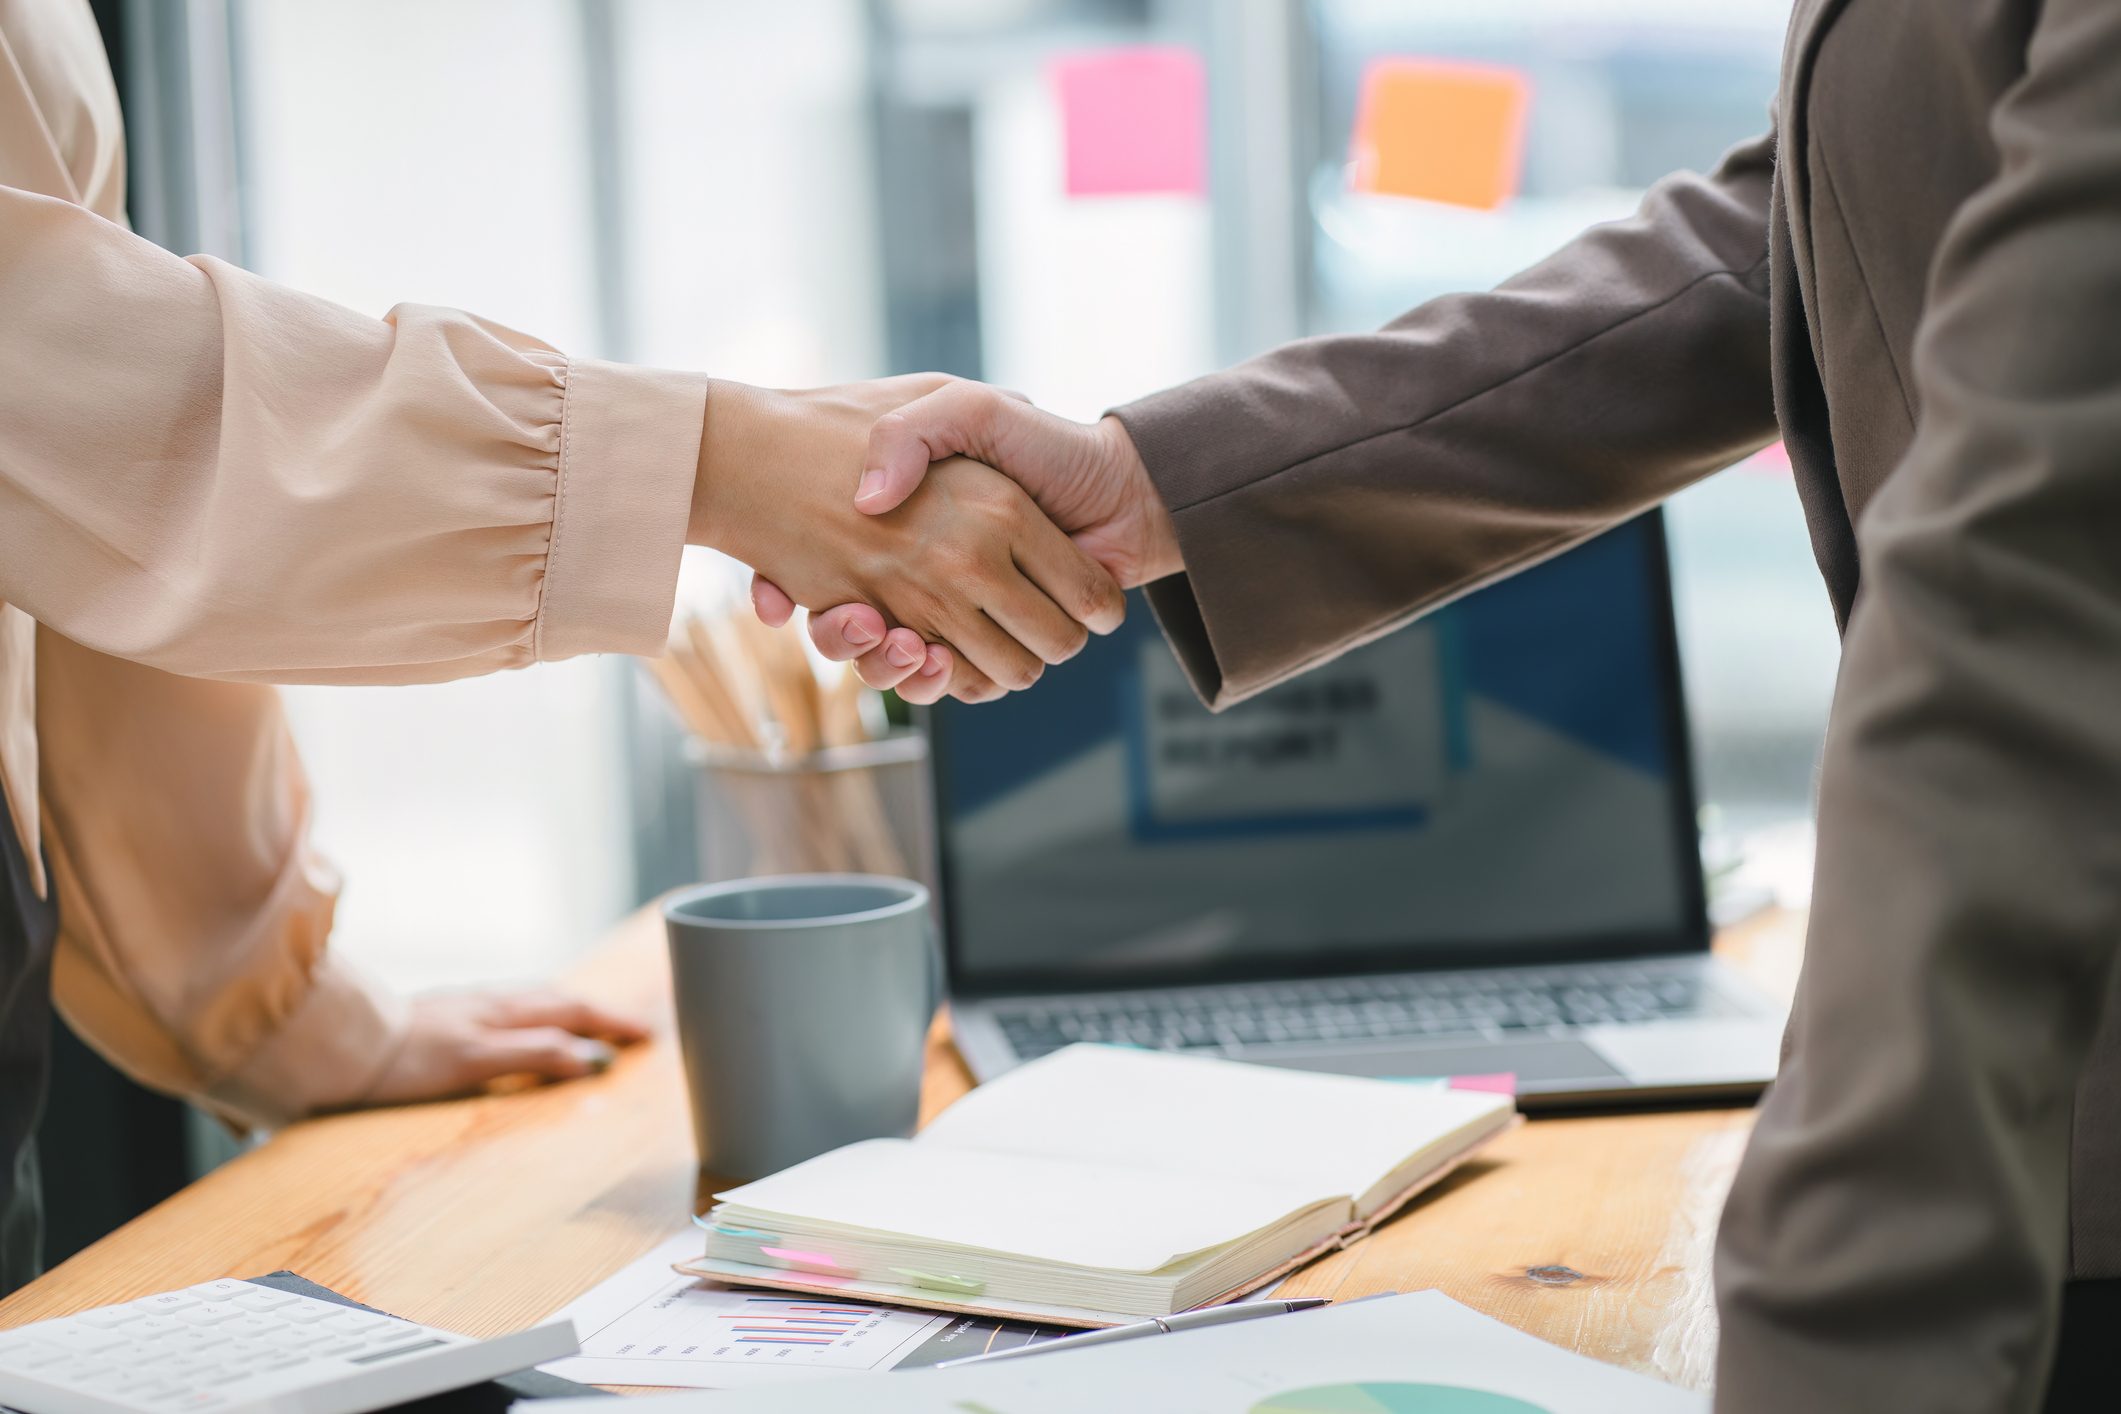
(1081, 199)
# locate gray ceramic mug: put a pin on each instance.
(803, 1003)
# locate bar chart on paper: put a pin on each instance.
(697, 1322)
(649, 1325)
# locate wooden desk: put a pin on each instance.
(482, 1215)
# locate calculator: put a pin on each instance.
(237, 1347)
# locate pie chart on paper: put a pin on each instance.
(1392, 1398)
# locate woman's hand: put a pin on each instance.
(458, 1042)
(967, 560)
(1086, 476)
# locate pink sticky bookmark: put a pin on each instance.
(808, 1262)
(1134, 121)
(1501, 1082)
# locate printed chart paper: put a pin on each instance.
(1415, 1354)
(649, 1325)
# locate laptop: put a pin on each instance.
(1468, 848)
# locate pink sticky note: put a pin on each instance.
(1502, 1082)
(1772, 462)
(1134, 120)
(808, 1261)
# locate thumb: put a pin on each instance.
(961, 418)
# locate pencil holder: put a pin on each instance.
(861, 809)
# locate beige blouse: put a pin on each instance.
(208, 483)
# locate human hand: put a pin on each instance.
(1086, 476)
(457, 1042)
(964, 559)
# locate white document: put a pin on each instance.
(649, 1325)
(1417, 1354)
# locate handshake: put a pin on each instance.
(948, 537)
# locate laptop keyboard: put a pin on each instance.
(1406, 1007)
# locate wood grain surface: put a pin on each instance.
(483, 1215)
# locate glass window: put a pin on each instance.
(1612, 96)
(817, 190)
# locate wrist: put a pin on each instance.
(1157, 536)
(732, 441)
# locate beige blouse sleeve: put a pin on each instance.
(210, 474)
(193, 914)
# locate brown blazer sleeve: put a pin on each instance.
(1898, 1234)
(1329, 491)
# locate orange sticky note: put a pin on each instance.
(1441, 131)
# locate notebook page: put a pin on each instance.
(1320, 1135)
(1055, 1209)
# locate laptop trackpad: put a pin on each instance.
(1533, 1062)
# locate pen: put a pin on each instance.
(1163, 1325)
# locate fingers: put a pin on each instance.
(547, 1052)
(998, 655)
(1068, 578)
(893, 661)
(930, 683)
(1023, 611)
(569, 1013)
(957, 417)
(770, 602)
(846, 633)
(920, 671)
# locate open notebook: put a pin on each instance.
(1101, 1185)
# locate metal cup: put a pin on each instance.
(803, 1004)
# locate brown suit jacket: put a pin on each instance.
(1915, 281)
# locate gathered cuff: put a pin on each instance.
(629, 452)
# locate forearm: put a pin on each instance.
(1389, 472)
(215, 475)
(194, 915)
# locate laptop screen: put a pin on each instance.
(1504, 780)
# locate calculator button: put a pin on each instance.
(85, 1340)
(259, 1299)
(210, 1313)
(220, 1290)
(309, 1313)
(108, 1317)
(166, 1302)
(251, 1326)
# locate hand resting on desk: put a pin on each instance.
(459, 1042)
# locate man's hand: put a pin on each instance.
(961, 557)
(1086, 476)
(458, 1042)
